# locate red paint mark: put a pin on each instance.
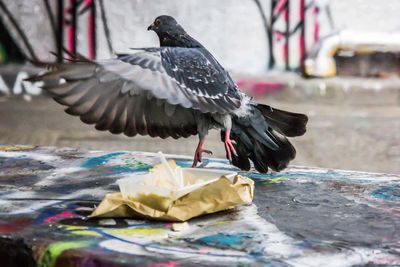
(70, 30)
(259, 88)
(316, 32)
(15, 225)
(278, 35)
(301, 47)
(90, 31)
(263, 88)
(163, 264)
(240, 83)
(64, 214)
(387, 260)
(285, 45)
(285, 15)
(315, 11)
(168, 225)
(284, 51)
(70, 37)
(203, 250)
(279, 6)
(301, 37)
(301, 10)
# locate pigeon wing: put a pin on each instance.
(102, 98)
(155, 91)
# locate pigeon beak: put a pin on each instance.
(150, 27)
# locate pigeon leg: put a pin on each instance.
(199, 151)
(229, 145)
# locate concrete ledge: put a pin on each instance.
(300, 217)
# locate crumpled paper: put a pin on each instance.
(221, 194)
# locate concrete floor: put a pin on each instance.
(365, 138)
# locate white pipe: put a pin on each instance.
(321, 62)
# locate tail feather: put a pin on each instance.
(277, 125)
(241, 159)
(287, 123)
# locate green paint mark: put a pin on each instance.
(54, 250)
(132, 162)
(273, 180)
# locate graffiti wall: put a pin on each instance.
(250, 36)
(12, 81)
(300, 217)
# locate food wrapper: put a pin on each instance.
(192, 192)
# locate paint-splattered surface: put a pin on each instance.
(300, 217)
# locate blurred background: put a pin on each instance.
(337, 61)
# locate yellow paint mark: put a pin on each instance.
(73, 227)
(221, 222)
(81, 230)
(16, 148)
(85, 233)
(138, 231)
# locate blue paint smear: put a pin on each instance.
(160, 247)
(224, 240)
(293, 174)
(100, 160)
(222, 161)
(130, 165)
(388, 193)
(183, 163)
(309, 244)
(45, 214)
(124, 169)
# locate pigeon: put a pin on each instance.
(175, 90)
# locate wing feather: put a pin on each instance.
(119, 123)
(156, 92)
(130, 129)
(95, 112)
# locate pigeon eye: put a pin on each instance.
(157, 22)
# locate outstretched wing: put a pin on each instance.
(100, 97)
(156, 91)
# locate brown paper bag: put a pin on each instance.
(222, 194)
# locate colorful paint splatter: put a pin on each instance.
(300, 217)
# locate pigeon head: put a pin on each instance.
(163, 24)
(170, 33)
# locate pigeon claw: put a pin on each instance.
(229, 148)
(198, 156)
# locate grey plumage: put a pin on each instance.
(176, 90)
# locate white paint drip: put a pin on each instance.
(28, 206)
(31, 155)
(3, 86)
